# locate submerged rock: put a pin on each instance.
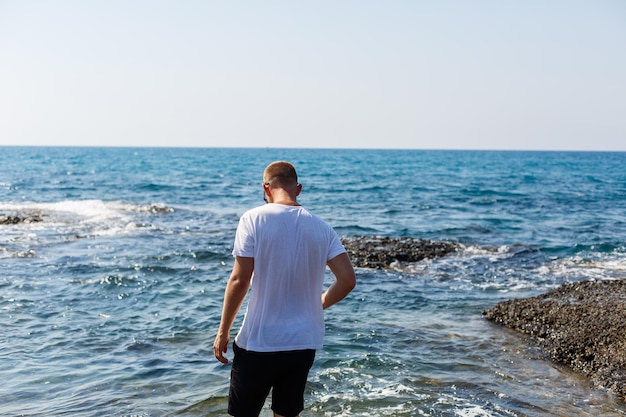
(8, 219)
(381, 252)
(580, 325)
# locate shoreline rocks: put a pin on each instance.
(380, 252)
(580, 325)
(9, 220)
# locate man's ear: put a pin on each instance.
(298, 189)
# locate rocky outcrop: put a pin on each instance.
(9, 219)
(381, 252)
(581, 325)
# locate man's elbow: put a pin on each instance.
(344, 272)
(352, 282)
(348, 281)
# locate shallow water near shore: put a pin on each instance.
(110, 296)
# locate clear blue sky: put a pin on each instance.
(483, 74)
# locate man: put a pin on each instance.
(281, 252)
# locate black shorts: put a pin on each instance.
(253, 374)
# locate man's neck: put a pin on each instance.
(284, 198)
(286, 202)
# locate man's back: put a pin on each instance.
(290, 247)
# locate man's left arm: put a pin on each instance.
(345, 280)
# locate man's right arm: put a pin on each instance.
(236, 290)
(345, 280)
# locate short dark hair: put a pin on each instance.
(282, 171)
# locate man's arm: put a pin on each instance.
(345, 280)
(236, 290)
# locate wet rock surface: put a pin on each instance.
(381, 252)
(10, 219)
(580, 325)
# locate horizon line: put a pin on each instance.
(312, 148)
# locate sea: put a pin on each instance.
(113, 273)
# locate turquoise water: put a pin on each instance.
(109, 304)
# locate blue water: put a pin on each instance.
(109, 304)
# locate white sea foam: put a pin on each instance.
(78, 218)
(69, 211)
(475, 266)
(490, 268)
(609, 266)
(464, 407)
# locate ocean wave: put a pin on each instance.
(84, 210)
(575, 268)
(505, 268)
(371, 395)
(510, 268)
(78, 218)
(472, 407)
(6, 252)
(69, 211)
(465, 253)
(368, 394)
(157, 208)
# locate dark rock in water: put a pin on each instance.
(8, 219)
(581, 325)
(381, 252)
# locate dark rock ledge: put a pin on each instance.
(380, 252)
(9, 219)
(580, 325)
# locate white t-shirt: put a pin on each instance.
(290, 247)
